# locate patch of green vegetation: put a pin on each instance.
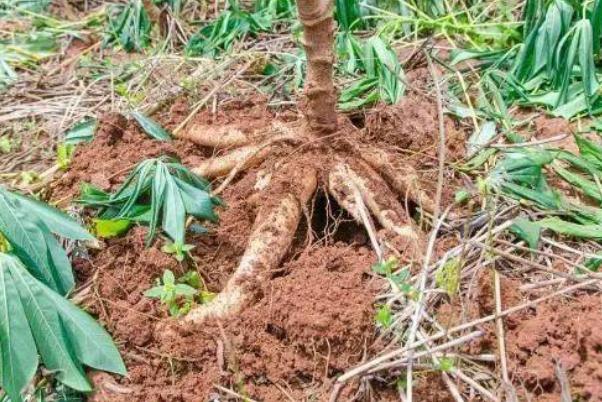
(43, 327)
(231, 26)
(128, 26)
(377, 68)
(554, 64)
(525, 174)
(179, 295)
(398, 277)
(448, 276)
(384, 316)
(158, 193)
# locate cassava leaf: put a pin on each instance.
(572, 229)
(107, 228)
(596, 23)
(128, 26)
(18, 357)
(59, 222)
(82, 131)
(590, 188)
(158, 192)
(65, 337)
(151, 127)
(30, 239)
(526, 230)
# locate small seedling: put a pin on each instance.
(178, 297)
(28, 177)
(384, 317)
(64, 154)
(446, 364)
(448, 276)
(399, 277)
(461, 196)
(179, 251)
(6, 145)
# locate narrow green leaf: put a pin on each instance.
(82, 131)
(572, 229)
(65, 337)
(526, 230)
(151, 127)
(107, 228)
(18, 357)
(58, 222)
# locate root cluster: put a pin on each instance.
(361, 180)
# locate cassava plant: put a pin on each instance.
(327, 154)
(38, 324)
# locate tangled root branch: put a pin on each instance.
(381, 202)
(245, 157)
(403, 180)
(271, 238)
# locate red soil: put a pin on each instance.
(313, 319)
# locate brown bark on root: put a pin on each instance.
(271, 238)
(343, 181)
(219, 138)
(222, 165)
(404, 181)
(318, 28)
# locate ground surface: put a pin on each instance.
(315, 318)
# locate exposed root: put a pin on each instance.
(271, 238)
(404, 180)
(246, 157)
(216, 137)
(381, 202)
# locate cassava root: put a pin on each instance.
(273, 233)
(219, 138)
(381, 203)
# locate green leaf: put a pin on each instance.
(174, 212)
(107, 228)
(18, 357)
(446, 364)
(6, 145)
(590, 188)
(461, 196)
(596, 23)
(65, 337)
(593, 264)
(168, 277)
(64, 154)
(82, 131)
(154, 292)
(386, 267)
(480, 138)
(185, 290)
(158, 192)
(151, 127)
(59, 222)
(448, 276)
(191, 278)
(33, 243)
(526, 230)
(572, 229)
(384, 317)
(207, 296)
(128, 26)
